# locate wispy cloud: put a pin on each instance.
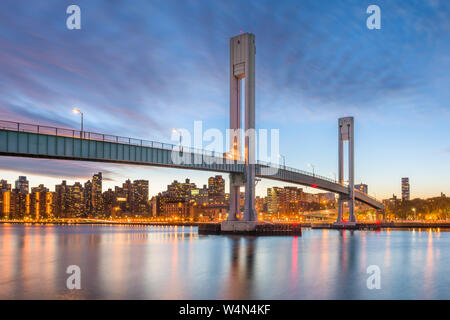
(81, 171)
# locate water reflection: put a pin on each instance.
(240, 273)
(141, 262)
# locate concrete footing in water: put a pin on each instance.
(345, 225)
(349, 226)
(250, 228)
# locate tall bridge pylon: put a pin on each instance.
(346, 133)
(242, 66)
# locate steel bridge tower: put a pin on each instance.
(242, 66)
(346, 133)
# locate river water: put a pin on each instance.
(148, 262)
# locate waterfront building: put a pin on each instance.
(22, 184)
(139, 201)
(216, 190)
(38, 204)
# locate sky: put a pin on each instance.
(141, 68)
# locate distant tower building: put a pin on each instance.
(156, 206)
(77, 208)
(109, 203)
(216, 190)
(140, 196)
(38, 202)
(97, 193)
(87, 195)
(362, 187)
(273, 199)
(22, 184)
(61, 199)
(19, 204)
(5, 202)
(405, 189)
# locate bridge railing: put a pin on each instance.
(87, 135)
(283, 167)
(360, 192)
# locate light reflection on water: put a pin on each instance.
(143, 262)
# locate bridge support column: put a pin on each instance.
(236, 181)
(242, 66)
(346, 133)
(340, 209)
(381, 213)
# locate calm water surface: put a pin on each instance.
(142, 262)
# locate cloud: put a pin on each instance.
(132, 67)
(81, 171)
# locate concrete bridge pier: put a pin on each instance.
(381, 213)
(236, 181)
(340, 209)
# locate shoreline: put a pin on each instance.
(361, 226)
(104, 222)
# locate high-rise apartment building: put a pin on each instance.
(140, 196)
(273, 199)
(22, 184)
(406, 192)
(216, 190)
(97, 204)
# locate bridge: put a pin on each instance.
(36, 141)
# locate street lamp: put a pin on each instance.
(284, 160)
(76, 110)
(311, 166)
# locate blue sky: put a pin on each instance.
(141, 68)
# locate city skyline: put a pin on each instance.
(51, 70)
(153, 191)
(22, 184)
(180, 200)
(184, 200)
